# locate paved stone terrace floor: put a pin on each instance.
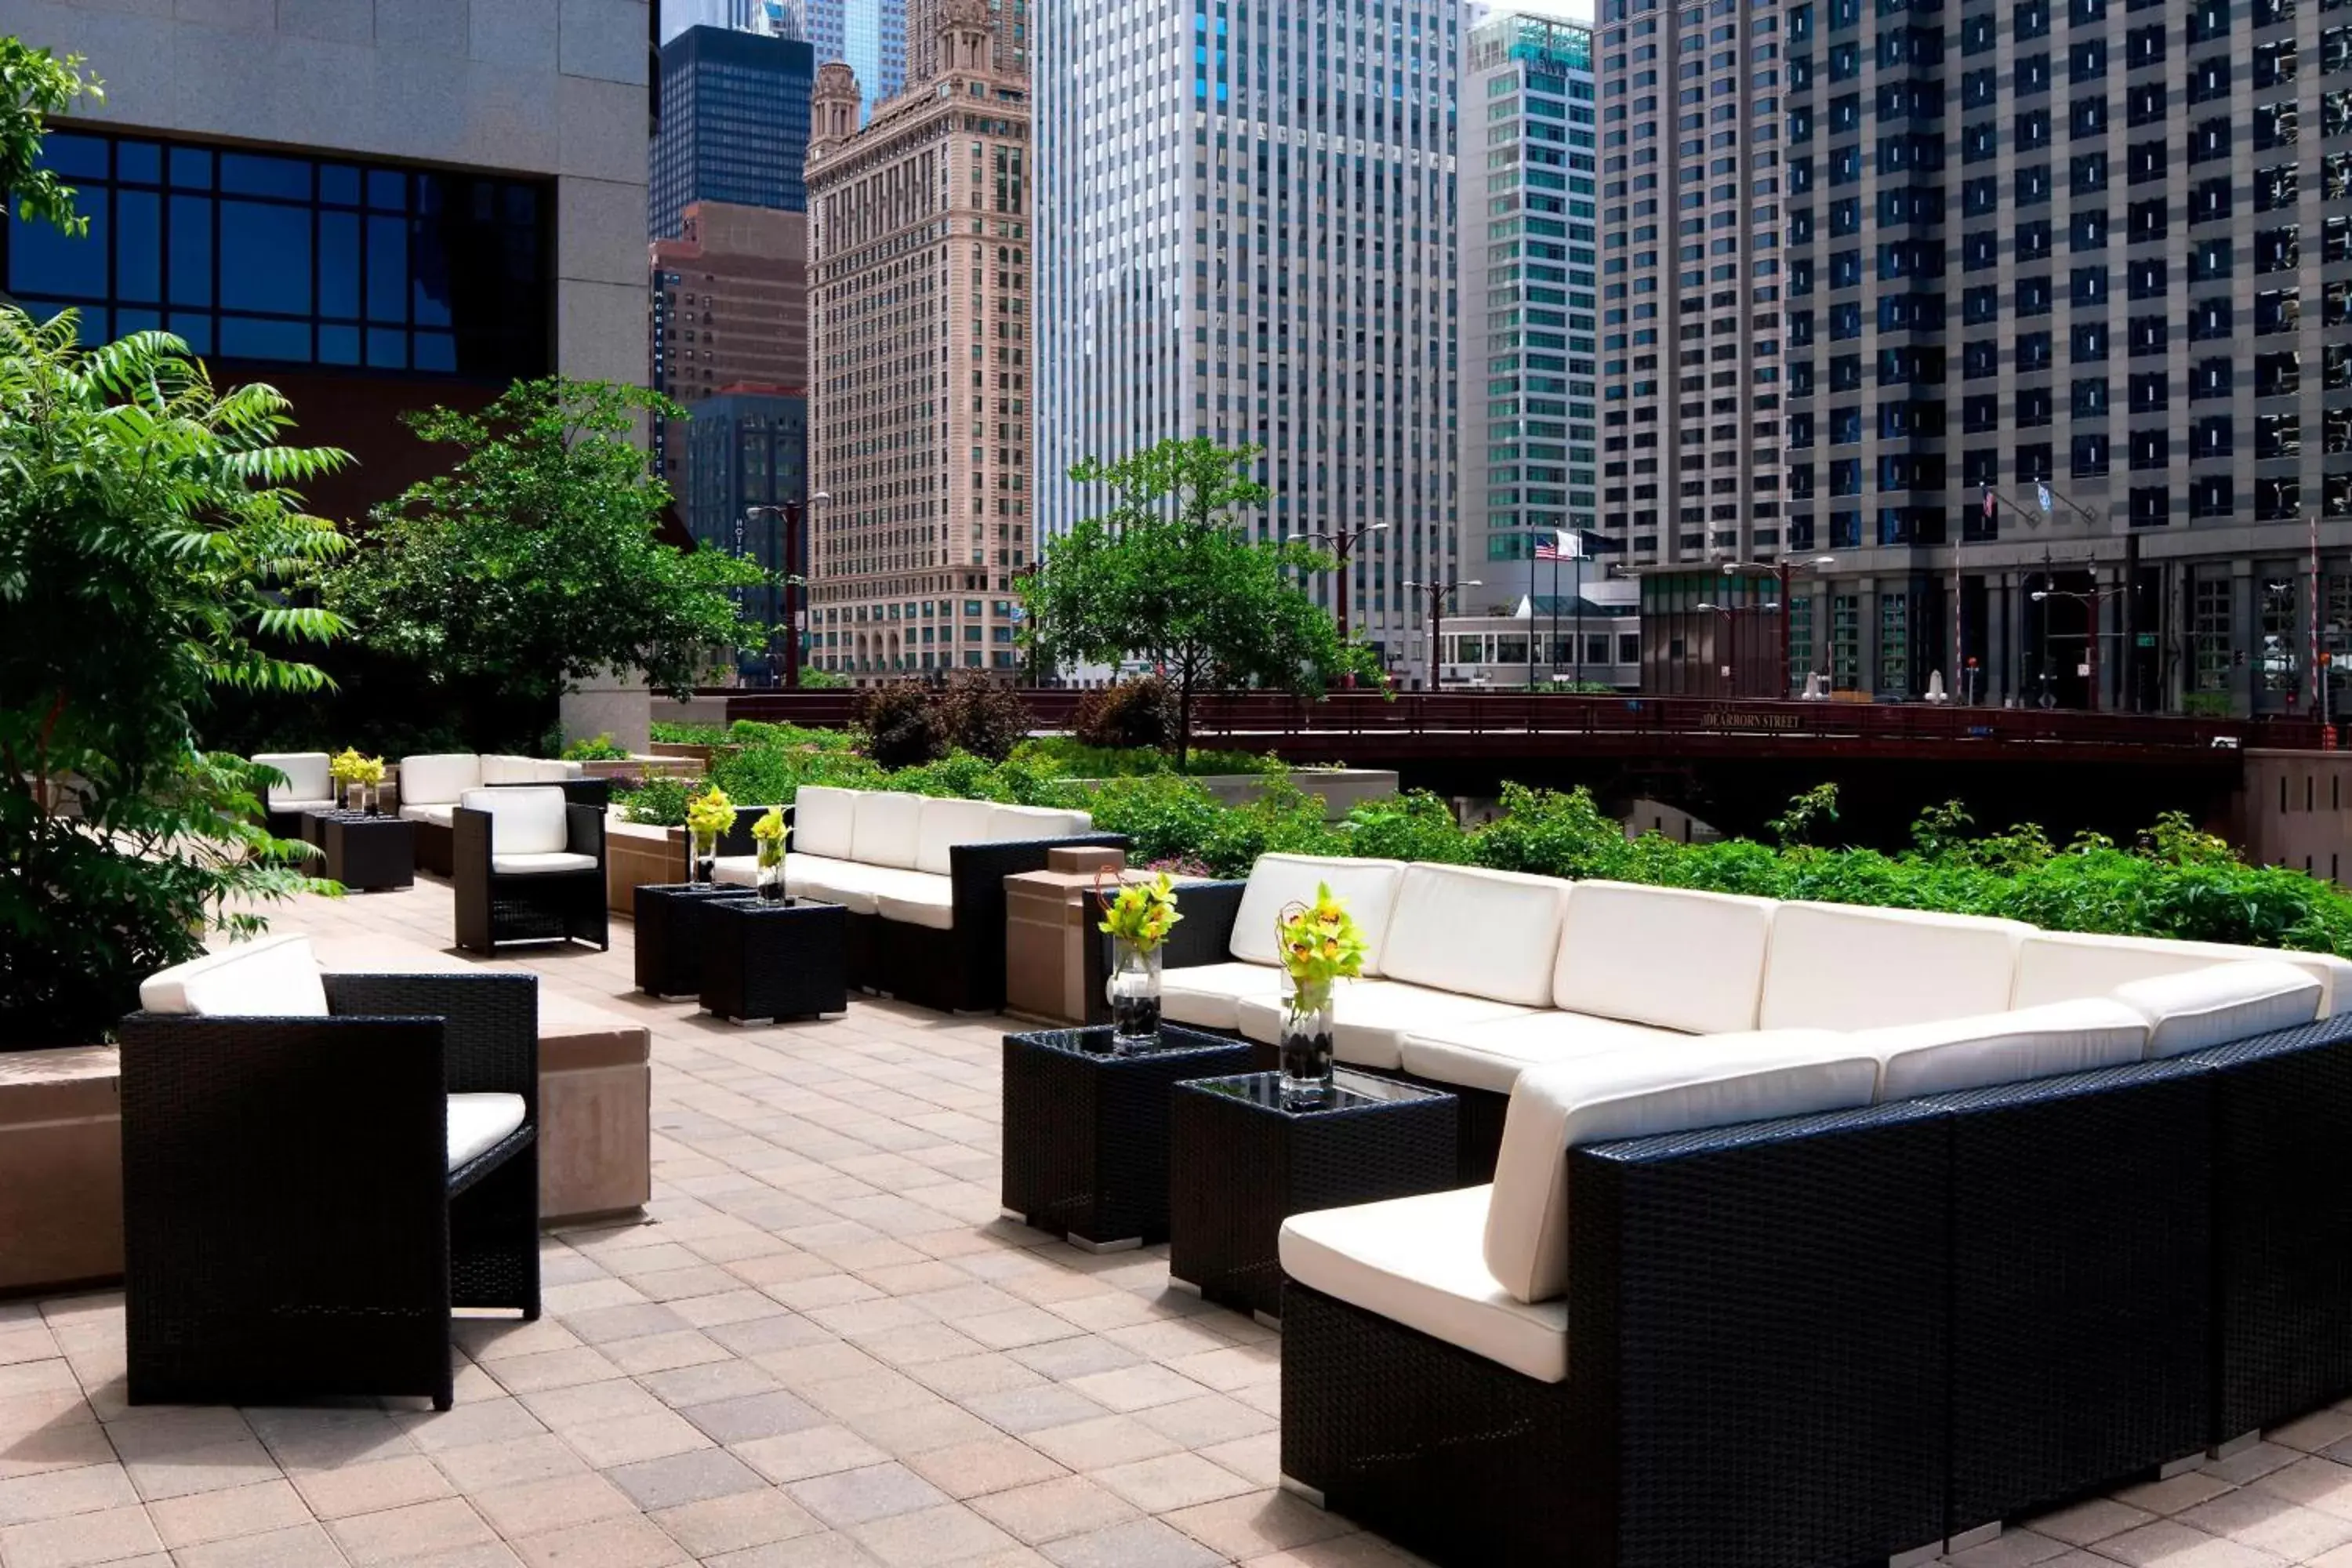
(824, 1347)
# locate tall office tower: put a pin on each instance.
(1246, 231)
(1529, 439)
(728, 310)
(733, 124)
(1008, 19)
(748, 460)
(2100, 249)
(871, 37)
(773, 18)
(919, 441)
(1690, 279)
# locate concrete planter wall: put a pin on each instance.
(635, 853)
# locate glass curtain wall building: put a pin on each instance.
(733, 127)
(1528, 418)
(868, 36)
(1246, 231)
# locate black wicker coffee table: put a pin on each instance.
(1240, 1163)
(763, 961)
(366, 850)
(1086, 1132)
(669, 934)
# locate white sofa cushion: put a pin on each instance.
(1953, 1054)
(825, 820)
(1713, 1081)
(1481, 933)
(945, 822)
(478, 1120)
(1492, 1055)
(438, 778)
(854, 885)
(1416, 1261)
(539, 863)
(1668, 956)
(1209, 996)
(298, 806)
(525, 820)
(1031, 822)
(436, 812)
(888, 824)
(308, 781)
(271, 977)
(2059, 967)
(498, 768)
(1277, 881)
(1842, 966)
(932, 904)
(2225, 1002)
(1370, 1018)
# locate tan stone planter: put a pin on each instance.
(636, 853)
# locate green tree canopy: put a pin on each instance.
(536, 561)
(34, 85)
(1167, 574)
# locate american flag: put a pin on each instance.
(1563, 546)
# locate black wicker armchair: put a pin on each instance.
(529, 866)
(307, 1198)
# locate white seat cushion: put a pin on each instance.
(273, 977)
(540, 863)
(322, 804)
(2059, 967)
(438, 778)
(932, 904)
(1209, 996)
(308, 778)
(1953, 1054)
(524, 820)
(1492, 1055)
(888, 824)
(1839, 966)
(1715, 1081)
(434, 812)
(825, 820)
(1370, 1018)
(1483, 934)
(1025, 823)
(2226, 1002)
(1277, 881)
(856, 886)
(477, 1122)
(947, 823)
(1668, 956)
(742, 871)
(1416, 1261)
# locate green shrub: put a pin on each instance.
(1139, 712)
(1164, 815)
(1415, 825)
(984, 716)
(904, 726)
(600, 749)
(657, 802)
(671, 734)
(752, 732)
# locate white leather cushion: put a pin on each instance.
(1492, 1055)
(1416, 1261)
(825, 820)
(1667, 956)
(306, 778)
(555, 770)
(322, 804)
(932, 905)
(1209, 996)
(524, 820)
(1485, 933)
(438, 813)
(2215, 1005)
(439, 778)
(1034, 822)
(1841, 966)
(1370, 1018)
(265, 979)
(542, 863)
(2059, 967)
(743, 871)
(1954, 1054)
(856, 886)
(478, 1120)
(499, 769)
(887, 826)
(1713, 1081)
(951, 822)
(1279, 881)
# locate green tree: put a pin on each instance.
(154, 553)
(536, 562)
(1167, 574)
(34, 85)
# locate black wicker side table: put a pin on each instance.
(763, 961)
(1240, 1163)
(669, 934)
(363, 850)
(1086, 1132)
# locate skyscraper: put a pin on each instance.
(728, 310)
(2096, 251)
(1529, 463)
(870, 38)
(733, 125)
(1246, 231)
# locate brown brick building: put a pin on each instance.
(730, 311)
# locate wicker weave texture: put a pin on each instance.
(772, 960)
(669, 934)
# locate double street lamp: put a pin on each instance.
(791, 512)
(1438, 593)
(1342, 544)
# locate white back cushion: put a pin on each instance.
(888, 827)
(525, 819)
(1030, 822)
(1485, 933)
(946, 822)
(1954, 1054)
(306, 778)
(499, 769)
(1840, 966)
(825, 820)
(2215, 1005)
(1715, 1082)
(2058, 966)
(1279, 881)
(1680, 959)
(438, 779)
(271, 978)
(555, 770)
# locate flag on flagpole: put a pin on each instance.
(2042, 494)
(1563, 546)
(1987, 503)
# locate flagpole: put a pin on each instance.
(1555, 617)
(1580, 610)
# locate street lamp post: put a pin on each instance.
(791, 512)
(1342, 544)
(1437, 592)
(1784, 572)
